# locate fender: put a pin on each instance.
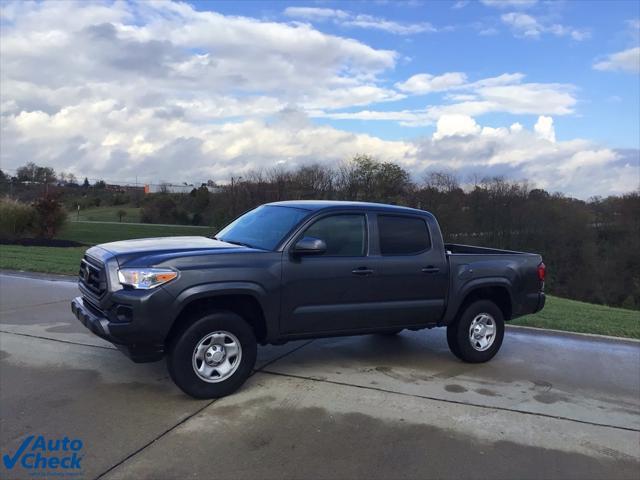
(459, 294)
(210, 290)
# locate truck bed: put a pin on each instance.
(458, 249)
(515, 271)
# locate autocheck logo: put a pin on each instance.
(38, 454)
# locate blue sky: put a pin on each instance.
(607, 110)
(532, 90)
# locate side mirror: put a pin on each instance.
(309, 246)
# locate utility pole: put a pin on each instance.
(233, 199)
(234, 181)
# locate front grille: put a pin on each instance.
(93, 308)
(92, 277)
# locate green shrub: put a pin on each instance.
(16, 219)
(50, 216)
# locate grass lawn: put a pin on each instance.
(574, 316)
(95, 233)
(107, 214)
(41, 259)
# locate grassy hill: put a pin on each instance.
(107, 214)
(41, 259)
(574, 316)
(93, 233)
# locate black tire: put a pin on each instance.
(181, 351)
(452, 335)
(458, 332)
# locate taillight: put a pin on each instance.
(542, 271)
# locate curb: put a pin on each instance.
(52, 277)
(574, 335)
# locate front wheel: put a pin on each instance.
(213, 356)
(478, 333)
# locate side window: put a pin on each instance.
(343, 234)
(402, 235)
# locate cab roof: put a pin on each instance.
(314, 205)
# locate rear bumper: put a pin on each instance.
(541, 301)
(101, 326)
(531, 303)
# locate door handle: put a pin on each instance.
(430, 269)
(363, 271)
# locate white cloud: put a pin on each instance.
(347, 19)
(533, 98)
(576, 167)
(487, 31)
(527, 26)
(624, 61)
(504, 79)
(523, 24)
(544, 128)
(105, 139)
(425, 83)
(177, 55)
(455, 126)
(407, 118)
(504, 93)
(516, 127)
(509, 3)
(460, 4)
(314, 13)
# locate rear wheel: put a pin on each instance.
(478, 333)
(213, 356)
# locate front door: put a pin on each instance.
(328, 292)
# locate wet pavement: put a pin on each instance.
(548, 406)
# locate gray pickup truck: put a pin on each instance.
(300, 269)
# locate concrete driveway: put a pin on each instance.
(548, 406)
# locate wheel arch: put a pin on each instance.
(243, 300)
(498, 291)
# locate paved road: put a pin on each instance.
(547, 406)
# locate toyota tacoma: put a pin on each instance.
(299, 269)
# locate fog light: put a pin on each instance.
(124, 314)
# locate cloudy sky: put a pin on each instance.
(536, 90)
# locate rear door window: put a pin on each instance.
(402, 235)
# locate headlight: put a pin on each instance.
(145, 278)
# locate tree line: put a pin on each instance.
(591, 248)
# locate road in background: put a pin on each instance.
(352, 407)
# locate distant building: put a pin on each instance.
(124, 188)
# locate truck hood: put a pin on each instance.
(163, 245)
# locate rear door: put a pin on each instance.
(328, 292)
(410, 279)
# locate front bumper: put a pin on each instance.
(94, 320)
(98, 325)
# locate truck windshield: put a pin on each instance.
(263, 227)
